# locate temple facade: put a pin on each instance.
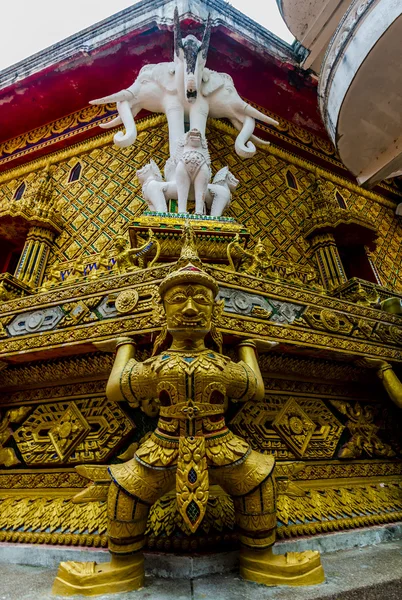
(303, 256)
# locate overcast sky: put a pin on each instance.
(28, 26)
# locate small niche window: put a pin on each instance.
(19, 192)
(357, 263)
(9, 256)
(340, 200)
(291, 181)
(75, 173)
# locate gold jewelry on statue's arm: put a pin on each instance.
(125, 350)
(248, 354)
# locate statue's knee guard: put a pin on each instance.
(127, 521)
(255, 515)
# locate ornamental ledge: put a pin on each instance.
(83, 322)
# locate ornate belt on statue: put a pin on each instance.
(192, 482)
(190, 410)
(192, 485)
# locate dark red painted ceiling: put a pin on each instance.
(68, 86)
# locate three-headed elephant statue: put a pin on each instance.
(185, 90)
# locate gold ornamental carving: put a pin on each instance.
(71, 432)
(67, 433)
(328, 320)
(126, 301)
(294, 426)
(266, 426)
(8, 458)
(364, 432)
(259, 263)
(319, 510)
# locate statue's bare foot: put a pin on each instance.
(292, 568)
(92, 579)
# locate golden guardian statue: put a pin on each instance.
(190, 386)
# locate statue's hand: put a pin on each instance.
(372, 363)
(261, 345)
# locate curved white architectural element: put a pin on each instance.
(313, 23)
(360, 90)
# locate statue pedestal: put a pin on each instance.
(212, 235)
(187, 566)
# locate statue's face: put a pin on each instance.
(188, 309)
(194, 138)
(232, 181)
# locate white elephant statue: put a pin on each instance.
(156, 191)
(185, 90)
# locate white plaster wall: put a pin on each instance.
(362, 103)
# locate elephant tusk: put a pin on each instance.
(250, 111)
(113, 123)
(123, 95)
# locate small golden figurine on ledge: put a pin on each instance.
(192, 447)
(256, 263)
(259, 263)
(129, 259)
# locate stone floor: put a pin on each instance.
(370, 573)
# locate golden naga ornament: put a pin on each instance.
(189, 385)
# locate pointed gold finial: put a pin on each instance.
(188, 252)
(45, 187)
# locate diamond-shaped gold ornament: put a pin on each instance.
(294, 426)
(69, 431)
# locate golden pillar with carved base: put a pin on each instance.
(328, 260)
(32, 263)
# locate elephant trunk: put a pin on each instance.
(259, 142)
(243, 146)
(125, 139)
(191, 88)
(253, 138)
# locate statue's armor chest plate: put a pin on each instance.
(192, 391)
(194, 160)
(201, 378)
